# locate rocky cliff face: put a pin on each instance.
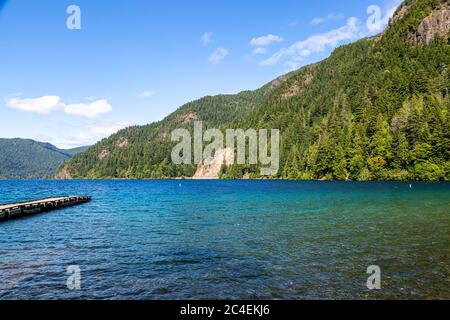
(64, 175)
(210, 169)
(436, 24)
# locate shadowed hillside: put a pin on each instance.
(28, 159)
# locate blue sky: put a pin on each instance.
(137, 61)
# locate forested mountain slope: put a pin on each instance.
(144, 151)
(29, 159)
(377, 109)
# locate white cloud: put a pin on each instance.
(260, 44)
(42, 105)
(84, 135)
(106, 129)
(218, 55)
(73, 140)
(206, 38)
(265, 40)
(353, 30)
(316, 43)
(146, 94)
(292, 65)
(47, 104)
(259, 50)
(332, 16)
(89, 110)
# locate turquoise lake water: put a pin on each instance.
(229, 240)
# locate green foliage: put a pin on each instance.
(428, 171)
(28, 159)
(375, 109)
(147, 151)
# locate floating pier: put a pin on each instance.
(25, 209)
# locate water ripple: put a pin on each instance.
(229, 240)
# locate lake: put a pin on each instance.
(190, 239)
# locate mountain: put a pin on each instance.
(377, 109)
(29, 159)
(144, 151)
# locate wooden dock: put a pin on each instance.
(24, 209)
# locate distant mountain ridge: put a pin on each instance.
(376, 109)
(29, 159)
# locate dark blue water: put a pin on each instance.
(229, 240)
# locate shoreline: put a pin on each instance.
(218, 179)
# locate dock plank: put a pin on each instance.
(27, 208)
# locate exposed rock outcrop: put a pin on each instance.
(103, 154)
(297, 87)
(189, 118)
(210, 169)
(277, 82)
(122, 143)
(436, 24)
(399, 14)
(64, 174)
(292, 91)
